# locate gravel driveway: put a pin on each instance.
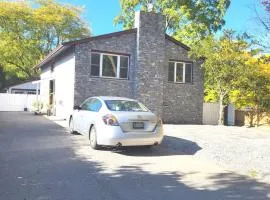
(40, 160)
(241, 149)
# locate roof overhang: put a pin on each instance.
(33, 80)
(66, 45)
(170, 38)
(57, 51)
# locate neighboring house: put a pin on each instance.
(29, 87)
(143, 63)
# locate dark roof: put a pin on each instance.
(66, 45)
(58, 50)
(114, 34)
(19, 82)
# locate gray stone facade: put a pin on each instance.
(149, 53)
(86, 86)
(150, 60)
(183, 102)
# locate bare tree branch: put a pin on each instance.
(261, 20)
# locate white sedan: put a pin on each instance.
(116, 121)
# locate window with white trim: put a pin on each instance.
(109, 65)
(180, 72)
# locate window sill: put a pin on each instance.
(180, 83)
(109, 78)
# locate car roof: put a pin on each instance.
(105, 98)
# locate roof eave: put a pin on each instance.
(34, 79)
(58, 50)
(88, 39)
(65, 45)
(177, 42)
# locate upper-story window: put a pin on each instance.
(180, 72)
(109, 65)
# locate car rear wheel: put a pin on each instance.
(71, 126)
(93, 138)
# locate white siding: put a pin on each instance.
(45, 77)
(64, 76)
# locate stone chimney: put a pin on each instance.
(150, 60)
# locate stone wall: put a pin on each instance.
(86, 86)
(150, 60)
(149, 53)
(183, 102)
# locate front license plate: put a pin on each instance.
(138, 125)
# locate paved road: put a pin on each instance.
(39, 160)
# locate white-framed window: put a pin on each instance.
(180, 72)
(109, 65)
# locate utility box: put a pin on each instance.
(231, 115)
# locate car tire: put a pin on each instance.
(71, 126)
(93, 138)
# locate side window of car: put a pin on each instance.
(95, 105)
(91, 105)
(85, 104)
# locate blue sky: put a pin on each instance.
(100, 14)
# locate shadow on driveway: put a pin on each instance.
(169, 185)
(169, 147)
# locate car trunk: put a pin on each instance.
(136, 121)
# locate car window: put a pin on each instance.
(95, 105)
(123, 105)
(84, 105)
(91, 105)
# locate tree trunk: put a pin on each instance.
(251, 115)
(258, 115)
(220, 119)
(2, 78)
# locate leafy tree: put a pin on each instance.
(57, 22)
(254, 91)
(224, 65)
(187, 20)
(30, 29)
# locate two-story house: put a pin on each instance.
(143, 63)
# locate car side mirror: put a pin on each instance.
(77, 108)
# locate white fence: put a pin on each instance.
(16, 102)
(210, 113)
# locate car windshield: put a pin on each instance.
(125, 105)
